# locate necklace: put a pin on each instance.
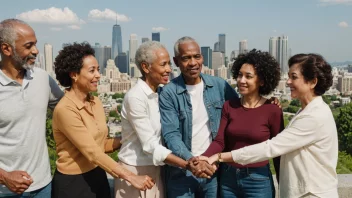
(245, 108)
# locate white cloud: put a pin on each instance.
(160, 29)
(335, 2)
(56, 29)
(107, 14)
(343, 24)
(51, 16)
(74, 27)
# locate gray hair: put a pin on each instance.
(185, 39)
(7, 31)
(146, 53)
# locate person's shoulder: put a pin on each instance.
(40, 72)
(272, 108)
(171, 86)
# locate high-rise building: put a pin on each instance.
(273, 44)
(107, 55)
(207, 56)
(217, 46)
(116, 41)
(222, 43)
(48, 53)
(234, 54)
(217, 60)
(145, 39)
(102, 54)
(156, 36)
(243, 47)
(122, 62)
(278, 48)
(133, 47)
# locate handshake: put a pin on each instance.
(202, 166)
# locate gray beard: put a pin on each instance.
(22, 64)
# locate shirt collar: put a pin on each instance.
(79, 104)
(145, 87)
(5, 80)
(181, 86)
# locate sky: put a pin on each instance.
(312, 26)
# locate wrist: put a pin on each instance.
(2, 176)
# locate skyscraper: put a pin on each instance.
(217, 46)
(116, 41)
(222, 43)
(102, 54)
(122, 62)
(156, 36)
(282, 56)
(133, 47)
(273, 46)
(207, 56)
(278, 48)
(243, 47)
(217, 60)
(48, 53)
(145, 39)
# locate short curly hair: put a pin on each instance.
(70, 59)
(266, 67)
(314, 66)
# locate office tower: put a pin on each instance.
(133, 47)
(222, 43)
(243, 47)
(48, 53)
(273, 41)
(122, 62)
(217, 60)
(282, 55)
(217, 46)
(116, 41)
(145, 39)
(207, 56)
(156, 36)
(278, 48)
(107, 55)
(234, 54)
(102, 54)
(41, 61)
(99, 55)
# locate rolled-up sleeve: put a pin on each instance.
(139, 119)
(300, 133)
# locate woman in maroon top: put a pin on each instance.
(249, 120)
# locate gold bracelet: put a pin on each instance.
(219, 158)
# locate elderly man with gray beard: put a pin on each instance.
(25, 94)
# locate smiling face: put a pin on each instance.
(88, 77)
(190, 61)
(299, 87)
(158, 72)
(25, 51)
(247, 80)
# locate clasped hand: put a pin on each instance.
(200, 167)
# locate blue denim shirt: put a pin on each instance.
(176, 111)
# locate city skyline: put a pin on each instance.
(318, 26)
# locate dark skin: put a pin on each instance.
(25, 45)
(190, 61)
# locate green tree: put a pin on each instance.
(292, 109)
(113, 113)
(295, 103)
(344, 128)
(95, 94)
(327, 99)
(118, 95)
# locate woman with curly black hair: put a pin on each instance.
(80, 131)
(308, 146)
(249, 120)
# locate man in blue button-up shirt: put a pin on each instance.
(190, 107)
